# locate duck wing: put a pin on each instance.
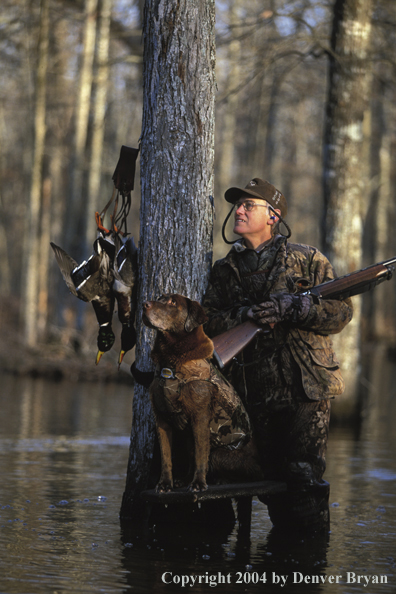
(91, 281)
(124, 289)
(83, 280)
(66, 265)
(103, 302)
(125, 274)
(125, 261)
(87, 279)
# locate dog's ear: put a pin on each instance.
(196, 315)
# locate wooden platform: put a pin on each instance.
(228, 491)
(289, 509)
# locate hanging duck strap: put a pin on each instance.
(119, 220)
(124, 181)
(124, 173)
(282, 220)
(99, 216)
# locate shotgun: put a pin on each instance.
(229, 344)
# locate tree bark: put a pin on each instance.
(345, 168)
(175, 248)
(33, 233)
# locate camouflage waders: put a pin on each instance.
(287, 377)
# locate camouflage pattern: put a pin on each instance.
(287, 376)
(229, 425)
(291, 438)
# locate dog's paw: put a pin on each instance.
(163, 487)
(179, 483)
(197, 486)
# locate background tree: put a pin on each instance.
(176, 214)
(345, 169)
(82, 111)
(227, 110)
(379, 311)
(98, 120)
(33, 229)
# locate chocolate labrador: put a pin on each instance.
(189, 396)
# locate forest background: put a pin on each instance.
(72, 94)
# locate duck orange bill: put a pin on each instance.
(120, 358)
(99, 356)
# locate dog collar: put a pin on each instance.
(167, 373)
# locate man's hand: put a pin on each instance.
(281, 307)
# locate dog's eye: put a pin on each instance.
(173, 301)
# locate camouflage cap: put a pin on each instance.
(259, 188)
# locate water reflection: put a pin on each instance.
(63, 458)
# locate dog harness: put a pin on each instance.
(229, 426)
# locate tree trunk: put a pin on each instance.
(94, 202)
(33, 233)
(384, 301)
(392, 224)
(375, 232)
(226, 170)
(345, 168)
(177, 182)
(43, 264)
(76, 203)
(5, 269)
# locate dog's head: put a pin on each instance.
(173, 313)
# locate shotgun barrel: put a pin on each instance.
(354, 283)
(229, 344)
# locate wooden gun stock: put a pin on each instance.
(229, 344)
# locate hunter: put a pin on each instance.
(287, 376)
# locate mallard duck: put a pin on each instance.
(91, 281)
(124, 289)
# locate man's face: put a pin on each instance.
(252, 220)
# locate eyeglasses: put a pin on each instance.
(248, 205)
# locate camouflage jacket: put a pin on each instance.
(244, 278)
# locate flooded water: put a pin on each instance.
(63, 459)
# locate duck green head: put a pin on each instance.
(105, 341)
